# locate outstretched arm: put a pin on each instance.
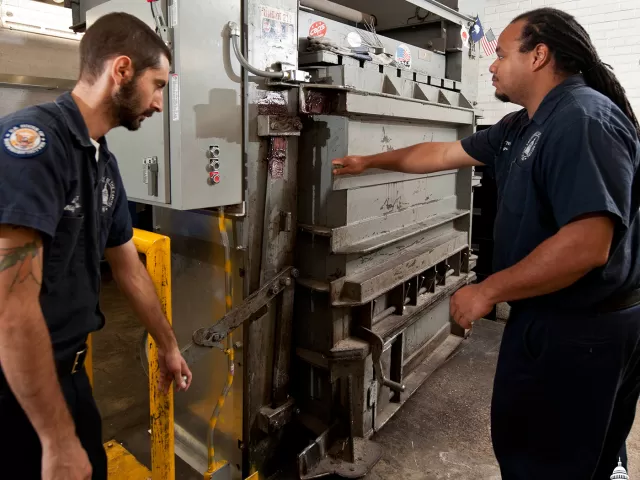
(422, 158)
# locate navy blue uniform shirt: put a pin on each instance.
(578, 155)
(50, 181)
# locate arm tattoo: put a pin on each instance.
(26, 261)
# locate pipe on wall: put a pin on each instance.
(337, 10)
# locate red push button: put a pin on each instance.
(216, 178)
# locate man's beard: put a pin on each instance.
(503, 97)
(126, 107)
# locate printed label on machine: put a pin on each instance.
(278, 26)
(175, 97)
(318, 29)
(173, 14)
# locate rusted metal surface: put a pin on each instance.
(273, 103)
(279, 125)
(319, 102)
(271, 420)
(277, 156)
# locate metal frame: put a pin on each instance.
(36, 82)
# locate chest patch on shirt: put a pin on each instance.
(530, 147)
(24, 141)
(108, 193)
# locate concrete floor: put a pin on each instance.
(441, 433)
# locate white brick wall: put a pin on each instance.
(614, 27)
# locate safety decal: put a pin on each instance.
(403, 55)
(24, 141)
(318, 29)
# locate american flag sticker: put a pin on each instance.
(489, 43)
(403, 55)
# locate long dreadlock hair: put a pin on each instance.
(571, 47)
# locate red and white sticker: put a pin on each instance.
(464, 35)
(318, 29)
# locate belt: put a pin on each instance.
(620, 302)
(72, 365)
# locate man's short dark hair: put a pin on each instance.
(119, 34)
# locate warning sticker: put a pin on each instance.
(318, 29)
(278, 26)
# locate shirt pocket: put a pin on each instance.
(516, 190)
(64, 247)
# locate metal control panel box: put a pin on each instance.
(190, 156)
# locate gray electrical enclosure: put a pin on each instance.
(189, 157)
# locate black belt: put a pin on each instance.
(73, 364)
(620, 302)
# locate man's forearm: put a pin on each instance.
(27, 361)
(141, 294)
(421, 158)
(554, 265)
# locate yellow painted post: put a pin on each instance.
(157, 249)
(88, 360)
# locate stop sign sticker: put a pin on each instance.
(318, 29)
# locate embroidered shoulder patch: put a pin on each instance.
(24, 141)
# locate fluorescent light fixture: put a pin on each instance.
(37, 17)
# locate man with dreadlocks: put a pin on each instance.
(567, 241)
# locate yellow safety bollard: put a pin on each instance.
(157, 249)
(122, 465)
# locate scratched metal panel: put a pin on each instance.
(423, 61)
(426, 328)
(378, 200)
(198, 279)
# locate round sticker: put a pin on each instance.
(403, 55)
(24, 140)
(318, 29)
(354, 40)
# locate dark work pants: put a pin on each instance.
(565, 393)
(20, 450)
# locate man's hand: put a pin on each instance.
(65, 460)
(470, 304)
(351, 165)
(173, 367)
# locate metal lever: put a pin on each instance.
(151, 175)
(377, 347)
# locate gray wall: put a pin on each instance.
(34, 55)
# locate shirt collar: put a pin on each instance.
(74, 119)
(554, 97)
